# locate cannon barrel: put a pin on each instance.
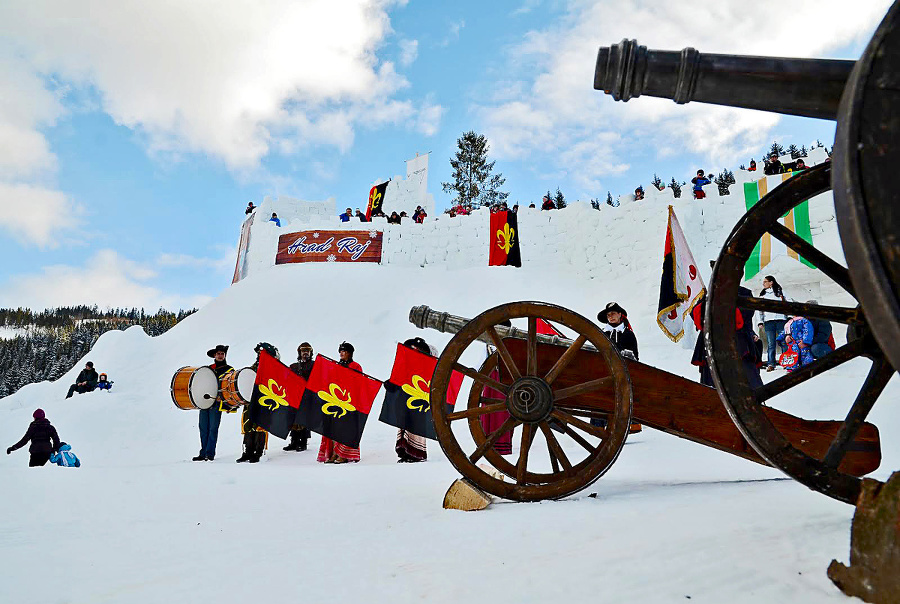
(804, 87)
(425, 317)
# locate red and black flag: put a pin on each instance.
(337, 401)
(407, 402)
(504, 240)
(681, 287)
(546, 328)
(376, 199)
(276, 396)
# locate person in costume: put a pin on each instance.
(618, 329)
(412, 447)
(212, 417)
(255, 437)
(40, 432)
(329, 450)
(303, 367)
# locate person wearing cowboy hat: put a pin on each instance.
(212, 417)
(617, 328)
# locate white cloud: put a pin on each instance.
(552, 113)
(36, 214)
(453, 32)
(409, 50)
(107, 280)
(233, 80)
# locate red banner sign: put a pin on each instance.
(329, 246)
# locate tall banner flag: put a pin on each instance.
(376, 199)
(240, 266)
(407, 398)
(681, 286)
(337, 401)
(797, 220)
(504, 240)
(276, 396)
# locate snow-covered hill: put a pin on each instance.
(141, 523)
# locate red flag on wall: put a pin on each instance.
(504, 240)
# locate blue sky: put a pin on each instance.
(132, 135)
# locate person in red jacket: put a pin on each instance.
(329, 450)
(40, 433)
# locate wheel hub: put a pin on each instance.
(530, 400)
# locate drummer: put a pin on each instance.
(210, 418)
(255, 437)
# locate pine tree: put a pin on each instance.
(803, 151)
(819, 144)
(725, 178)
(609, 198)
(776, 149)
(794, 151)
(473, 180)
(657, 182)
(676, 187)
(559, 199)
(595, 203)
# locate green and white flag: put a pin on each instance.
(797, 220)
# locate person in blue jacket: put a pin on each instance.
(345, 217)
(275, 219)
(798, 337)
(64, 457)
(699, 182)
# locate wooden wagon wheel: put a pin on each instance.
(744, 404)
(534, 406)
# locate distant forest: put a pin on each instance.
(56, 339)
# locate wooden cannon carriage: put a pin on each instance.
(555, 387)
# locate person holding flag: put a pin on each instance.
(255, 437)
(329, 450)
(303, 367)
(410, 447)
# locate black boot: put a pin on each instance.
(245, 456)
(301, 446)
(293, 444)
(198, 458)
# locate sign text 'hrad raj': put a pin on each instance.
(329, 246)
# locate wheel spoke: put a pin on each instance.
(571, 391)
(508, 425)
(554, 463)
(879, 375)
(837, 357)
(555, 447)
(824, 263)
(583, 426)
(531, 365)
(476, 411)
(565, 359)
(504, 353)
(580, 440)
(582, 412)
(527, 439)
(481, 378)
(837, 314)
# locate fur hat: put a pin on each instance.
(418, 344)
(348, 347)
(39, 414)
(211, 353)
(612, 306)
(272, 350)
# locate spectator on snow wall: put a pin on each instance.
(86, 380)
(752, 167)
(798, 336)
(64, 457)
(548, 203)
(361, 216)
(419, 215)
(212, 417)
(250, 208)
(823, 338)
(639, 193)
(531, 205)
(799, 165)
(43, 437)
(329, 450)
(773, 165)
(699, 182)
(275, 219)
(394, 218)
(345, 217)
(411, 448)
(773, 322)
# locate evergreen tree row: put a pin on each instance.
(57, 339)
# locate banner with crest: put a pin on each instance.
(276, 396)
(504, 240)
(337, 401)
(407, 394)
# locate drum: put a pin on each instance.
(194, 388)
(237, 387)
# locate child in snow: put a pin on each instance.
(103, 383)
(64, 457)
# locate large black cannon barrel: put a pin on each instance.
(805, 87)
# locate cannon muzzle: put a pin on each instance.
(804, 87)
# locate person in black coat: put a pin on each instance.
(303, 367)
(86, 380)
(43, 437)
(618, 330)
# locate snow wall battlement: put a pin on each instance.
(611, 244)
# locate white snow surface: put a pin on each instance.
(140, 523)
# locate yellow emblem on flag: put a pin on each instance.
(417, 393)
(506, 238)
(275, 393)
(332, 400)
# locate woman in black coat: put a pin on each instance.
(40, 433)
